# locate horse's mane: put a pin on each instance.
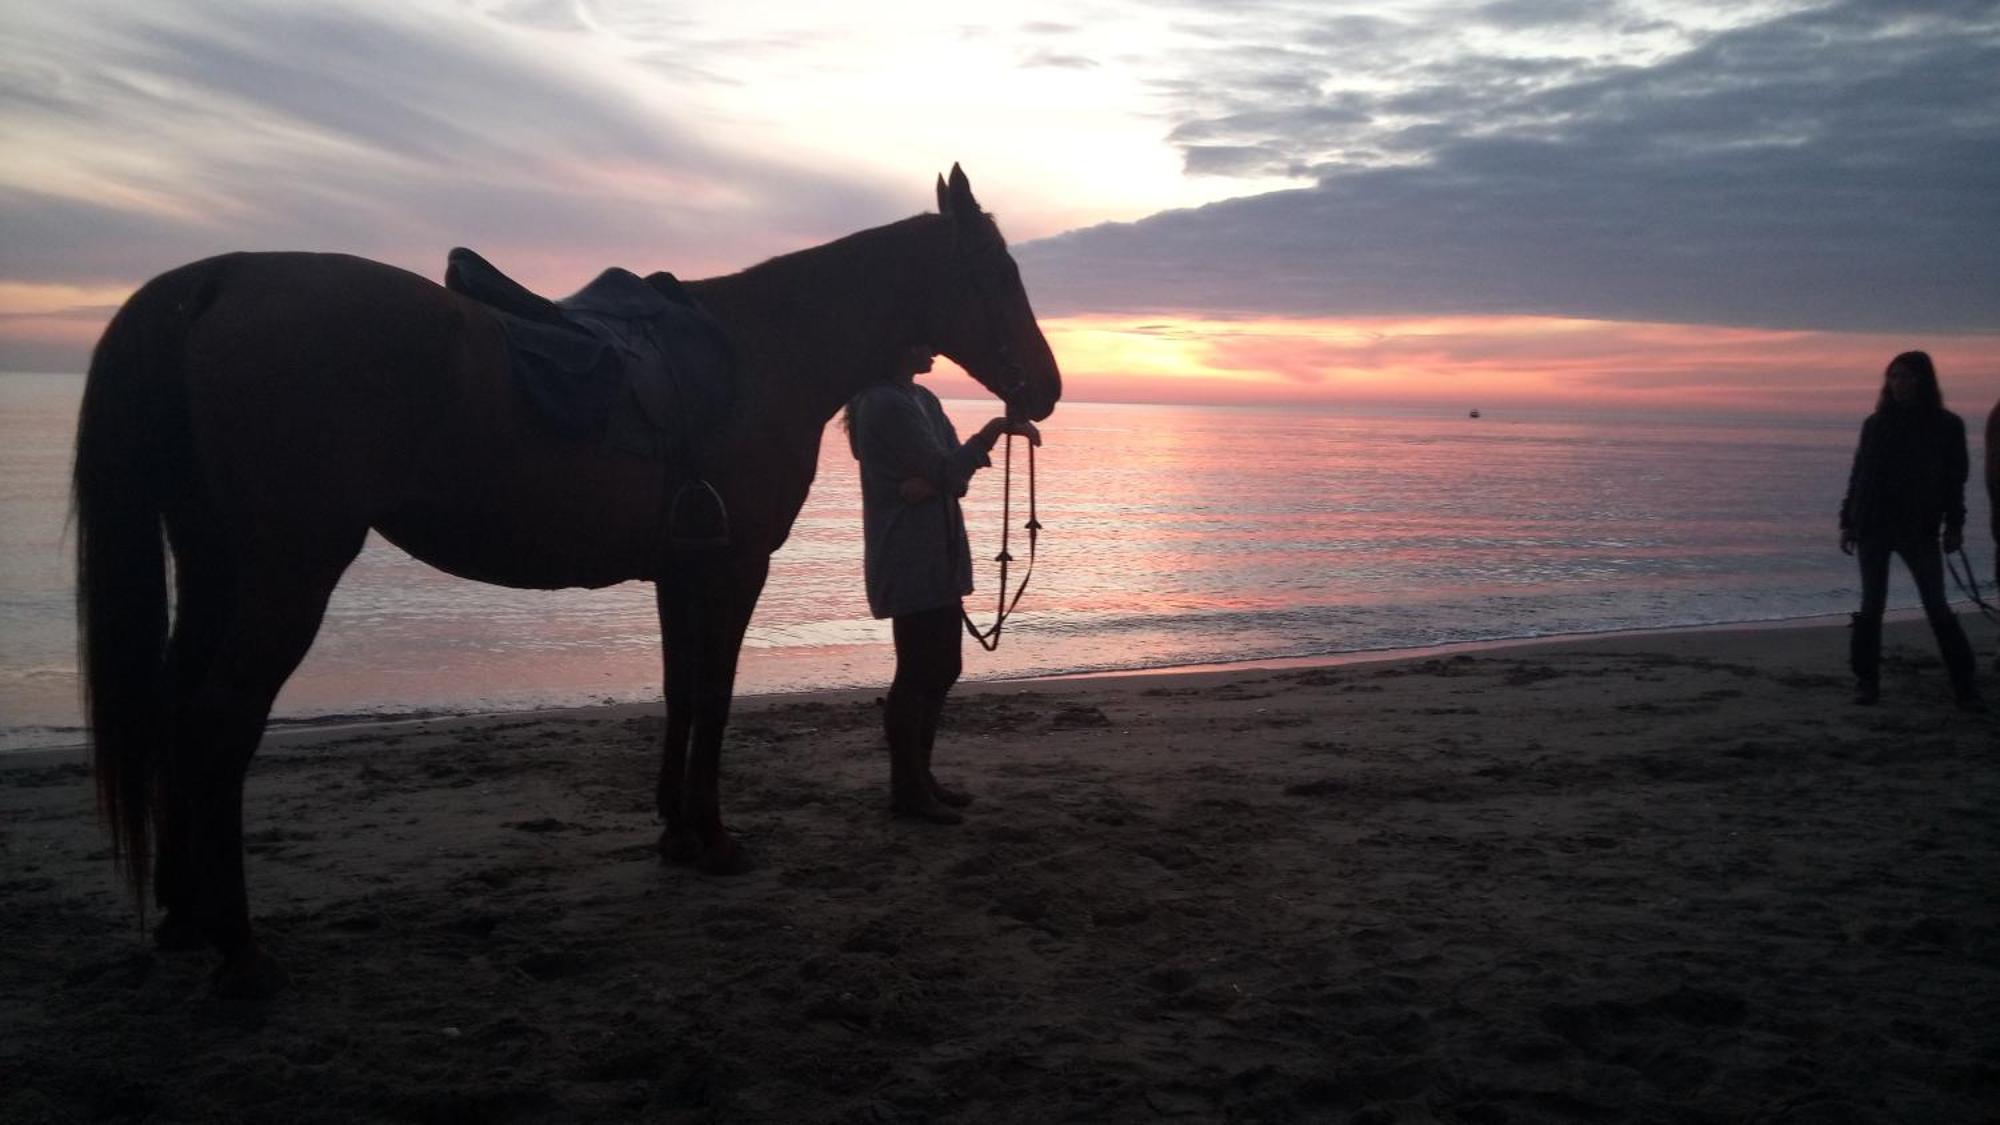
(883, 247)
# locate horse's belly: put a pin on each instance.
(543, 535)
(505, 556)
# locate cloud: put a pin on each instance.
(1059, 61)
(160, 133)
(543, 15)
(1546, 13)
(1836, 167)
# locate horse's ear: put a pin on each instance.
(960, 190)
(944, 200)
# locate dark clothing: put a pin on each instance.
(1907, 485)
(915, 555)
(1993, 479)
(919, 567)
(1925, 559)
(927, 665)
(1908, 475)
(928, 659)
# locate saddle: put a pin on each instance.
(578, 356)
(635, 363)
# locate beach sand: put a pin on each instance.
(1670, 877)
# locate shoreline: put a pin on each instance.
(281, 730)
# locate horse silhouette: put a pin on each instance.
(251, 417)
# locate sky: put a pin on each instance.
(1455, 203)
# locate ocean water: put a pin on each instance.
(1174, 535)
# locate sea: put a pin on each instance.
(1171, 536)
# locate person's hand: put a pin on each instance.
(916, 490)
(1846, 542)
(1953, 540)
(1026, 429)
(993, 429)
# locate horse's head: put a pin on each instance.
(978, 312)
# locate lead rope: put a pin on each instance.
(989, 639)
(1969, 584)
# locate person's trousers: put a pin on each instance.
(1925, 558)
(928, 662)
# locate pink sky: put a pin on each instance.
(1203, 205)
(1497, 362)
(1490, 362)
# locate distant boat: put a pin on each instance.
(1474, 414)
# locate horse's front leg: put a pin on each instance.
(679, 645)
(721, 621)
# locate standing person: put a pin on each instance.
(1907, 485)
(917, 560)
(1993, 484)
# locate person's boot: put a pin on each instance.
(1864, 655)
(910, 793)
(933, 711)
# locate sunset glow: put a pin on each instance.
(1464, 203)
(1490, 362)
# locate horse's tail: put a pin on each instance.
(132, 460)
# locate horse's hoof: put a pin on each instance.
(175, 934)
(254, 975)
(679, 847)
(726, 858)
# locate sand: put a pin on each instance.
(1672, 877)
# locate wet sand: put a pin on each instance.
(1674, 877)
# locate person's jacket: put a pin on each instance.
(915, 555)
(1908, 475)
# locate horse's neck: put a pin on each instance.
(814, 327)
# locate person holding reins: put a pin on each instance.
(1906, 496)
(918, 562)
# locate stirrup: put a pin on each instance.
(688, 498)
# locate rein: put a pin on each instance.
(989, 639)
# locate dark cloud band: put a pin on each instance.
(1833, 168)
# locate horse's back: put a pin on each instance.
(370, 396)
(309, 375)
(304, 313)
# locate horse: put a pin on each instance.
(250, 418)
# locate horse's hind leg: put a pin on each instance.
(275, 606)
(201, 610)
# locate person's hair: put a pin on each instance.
(1929, 397)
(847, 412)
